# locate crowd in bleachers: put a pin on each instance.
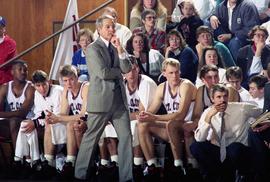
(194, 83)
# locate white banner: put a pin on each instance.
(66, 45)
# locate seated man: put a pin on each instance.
(221, 137)
(209, 76)
(254, 58)
(259, 139)
(139, 90)
(73, 101)
(47, 97)
(256, 90)
(234, 76)
(178, 97)
(17, 97)
(232, 21)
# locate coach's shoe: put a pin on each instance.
(137, 173)
(67, 172)
(176, 174)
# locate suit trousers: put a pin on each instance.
(208, 157)
(119, 117)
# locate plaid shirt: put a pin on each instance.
(156, 39)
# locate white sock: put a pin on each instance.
(16, 159)
(152, 161)
(50, 159)
(193, 162)
(178, 162)
(104, 162)
(28, 160)
(138, 161)
(71, 158)
(114, 158)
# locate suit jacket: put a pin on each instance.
(103, 77)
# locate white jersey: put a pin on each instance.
(143, 94)
(51, 102)
(75, 102)
(133, 100)
(14, 102)
(172, 102)
(206, 98)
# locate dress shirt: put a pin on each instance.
(236, 118)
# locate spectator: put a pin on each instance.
(234, 76)
(156, 5)
(156, 36)
(84, 38)
(7, 51)
(253, 59)
(263, 9)
(149, 60)
(204, 7)
(256, 89)
(210, 56)
(178, 50)
(232, 21)
(189, 23)
(205, 38)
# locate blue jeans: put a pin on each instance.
(234, 44)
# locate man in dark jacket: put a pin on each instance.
(232, 21)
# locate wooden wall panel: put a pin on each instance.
(29, 21)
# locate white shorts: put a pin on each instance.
(109, 131)
(134, 132)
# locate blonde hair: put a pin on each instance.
(170, 61)
(159, 8)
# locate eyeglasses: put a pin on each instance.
(174, 39)
(260, 35)
(150, 17)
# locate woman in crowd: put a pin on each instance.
(156, 37)
(178, 49)
(149, 60)
(210, 56)
(84, 38)
(189, 23)
(156, 5)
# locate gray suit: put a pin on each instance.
(106, 102)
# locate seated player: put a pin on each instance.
(178, 96)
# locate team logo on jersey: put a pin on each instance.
(76, 108)
(172, 107)
(15, 106)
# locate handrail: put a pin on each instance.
(56, 33)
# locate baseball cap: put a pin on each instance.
(2, 21)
